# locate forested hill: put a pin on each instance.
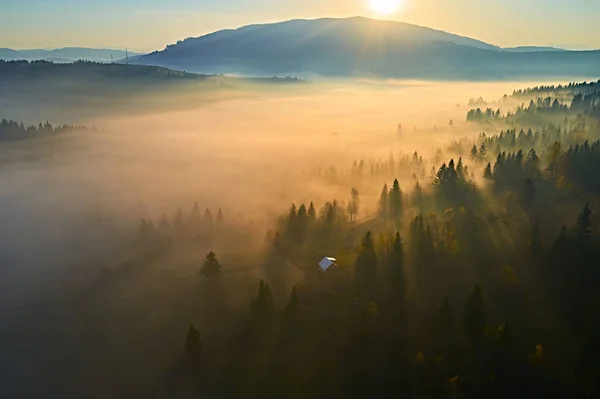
(25, 70)
(13, 131)
(364, 47)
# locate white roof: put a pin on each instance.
(326, 263)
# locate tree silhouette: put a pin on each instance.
(211, 266)
(395, 202)
(193, 344)
(353, 204)
(487, 173)
(474, 315)
(365, 268)
(383, 207)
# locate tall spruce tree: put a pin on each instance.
(365, 268)
(474, 315)
(383, 207)
(395, 202)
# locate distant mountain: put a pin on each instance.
(532, 49)
(362, 47)
(9, 54)
(66, 54)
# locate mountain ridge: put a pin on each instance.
(65, 54)
(358, 46)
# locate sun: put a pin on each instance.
(385, 6)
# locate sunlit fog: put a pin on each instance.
(313, 208)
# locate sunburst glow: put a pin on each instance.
(385, 6)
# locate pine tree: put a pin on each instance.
(193, 344)
(163, 225)
(143, 229)
(535, 244)
(353, 204)
(312, 213)
(178, 222)
(474, 315)
(583, 228)
(560, 244)
(196, 212)
(444, 327)
(262, 307)
(445, 322)
(293, 304)
(292, 225)
(395, 202)
(527, 193)
(301, 222)
(383, 208)
(208, 219)
(460, 171)
(474, 154)
(211, 266)
(483, 152)
(365, 268)
(417, 194)
(487, 173)
(220, 217)
(396, 277)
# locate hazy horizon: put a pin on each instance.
(150, 25)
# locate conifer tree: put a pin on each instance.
(584, 224)
(417, 194)
(395, 202)
(163, 225)
(474, 315)
(301, 222)
(178, 222)
(460, 171)
(262, 307)
(474, 154)
(211, 266)
(365, 268)
(312, 213)
(445, 328)
(195, 212)
(353, 204)
(220, 217)
(193, 344)
(483, 152)
(396, 275)
(487, 173)
(383, 208)
(293, 304)
(144, 229)
(208, 219)
(535, 244)
(527, 193)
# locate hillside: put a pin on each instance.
(530, 49)
(74, 92)
(362, 47)
(66, 54)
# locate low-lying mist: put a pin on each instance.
(247, 155)
(71, 205)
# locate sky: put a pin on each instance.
(146, 25)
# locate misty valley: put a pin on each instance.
(162, 233)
